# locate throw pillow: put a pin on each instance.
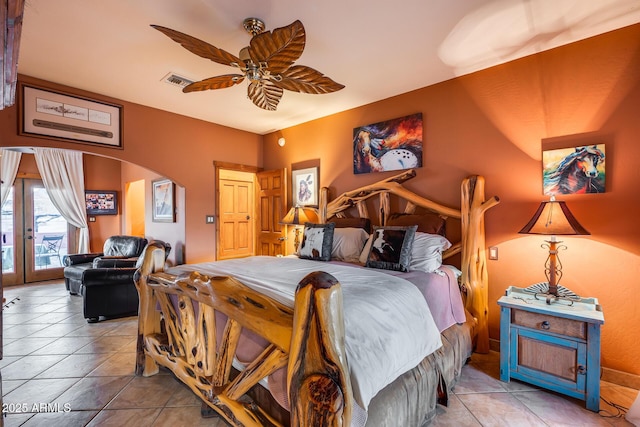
(391, 248)
(317, 240)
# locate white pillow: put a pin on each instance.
(365, 251)
(348, 243)
(426, 254)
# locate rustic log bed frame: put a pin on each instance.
(307, 339)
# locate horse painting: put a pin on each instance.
(391, 145)
(579, 171)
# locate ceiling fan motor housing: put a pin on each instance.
(254, 26)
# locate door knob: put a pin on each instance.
(248, 217)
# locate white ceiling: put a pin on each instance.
(376, 48)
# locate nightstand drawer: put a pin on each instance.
(556, 325)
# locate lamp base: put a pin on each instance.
(542, 289)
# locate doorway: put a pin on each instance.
(35, 236)
(250, 206)
(236, 214)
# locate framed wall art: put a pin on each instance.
(390, 145)
(48, 114)
(574, 170)
(305, 187)
(101, 202)
(163, 195)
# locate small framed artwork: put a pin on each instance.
(48, 114)
(574, 170)
(163, 194)
(305, 187)
(101, 202)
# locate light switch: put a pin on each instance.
(210, 219)
(493, 252)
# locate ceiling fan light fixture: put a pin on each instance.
(253, 73)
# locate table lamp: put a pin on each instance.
(297, 216)
(553, 218)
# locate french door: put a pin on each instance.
(35, 236)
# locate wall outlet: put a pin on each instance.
(92, 219)
(210, 219)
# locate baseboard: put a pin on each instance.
(609, 375)
(621, 378)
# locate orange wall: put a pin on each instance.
(495, 123)
(177, 147)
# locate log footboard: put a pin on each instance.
(192, 326)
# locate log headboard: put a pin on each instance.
(474, 279)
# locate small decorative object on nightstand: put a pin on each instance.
(556, 346)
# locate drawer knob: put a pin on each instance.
(545, 325)
(582, 370)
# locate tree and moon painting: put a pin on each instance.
(574, 170)
(390, 145)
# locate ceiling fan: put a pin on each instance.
(267, 63)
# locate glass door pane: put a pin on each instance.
(45, 236)
(8, 255)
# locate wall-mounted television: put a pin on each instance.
(101, 202)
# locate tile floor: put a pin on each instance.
(59, 370)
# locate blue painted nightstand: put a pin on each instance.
(555, 346)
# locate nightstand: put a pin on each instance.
(555, 346)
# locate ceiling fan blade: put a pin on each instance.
(218, 82)
(300, 78)
(201, 48)
(264, 94)
(279, 48)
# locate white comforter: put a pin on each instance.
(389, 328)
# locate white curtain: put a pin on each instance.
(8, 171)
(63, 177)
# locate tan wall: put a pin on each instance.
(495, 123)
(177, 147)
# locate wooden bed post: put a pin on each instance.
(148, 315)
(318, 376)
(474, 260)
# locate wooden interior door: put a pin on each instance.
(236, 211)
(272, 205)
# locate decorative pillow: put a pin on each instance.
(348, 243)
(317, 240)
(426, 254)
(427, 223)
(364, 223)
(391, 248)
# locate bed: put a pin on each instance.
(323, 339)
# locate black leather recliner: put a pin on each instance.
(111, 292)
(117, 251)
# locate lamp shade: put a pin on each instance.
(553, 218)
(298, 215)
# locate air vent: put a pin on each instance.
(176, 80)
